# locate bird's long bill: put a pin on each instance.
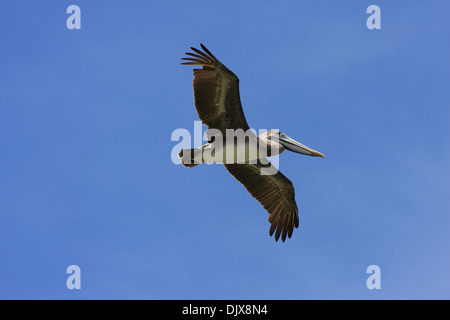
(297, 147)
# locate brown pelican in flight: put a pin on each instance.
(216, 95)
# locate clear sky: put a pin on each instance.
(86, 176)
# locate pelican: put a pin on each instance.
(218, 104)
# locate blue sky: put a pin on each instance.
(86, 177)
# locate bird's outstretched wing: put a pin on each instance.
(275, 192)
(216, 92)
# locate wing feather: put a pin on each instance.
(216, 92)
(276, 194)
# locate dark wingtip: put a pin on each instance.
(277, 235)
(208, 52)
(205, 49)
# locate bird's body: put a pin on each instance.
(237, 147)
(232, 143)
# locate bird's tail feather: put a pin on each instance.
(190, 157)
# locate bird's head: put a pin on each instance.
(290, 144)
